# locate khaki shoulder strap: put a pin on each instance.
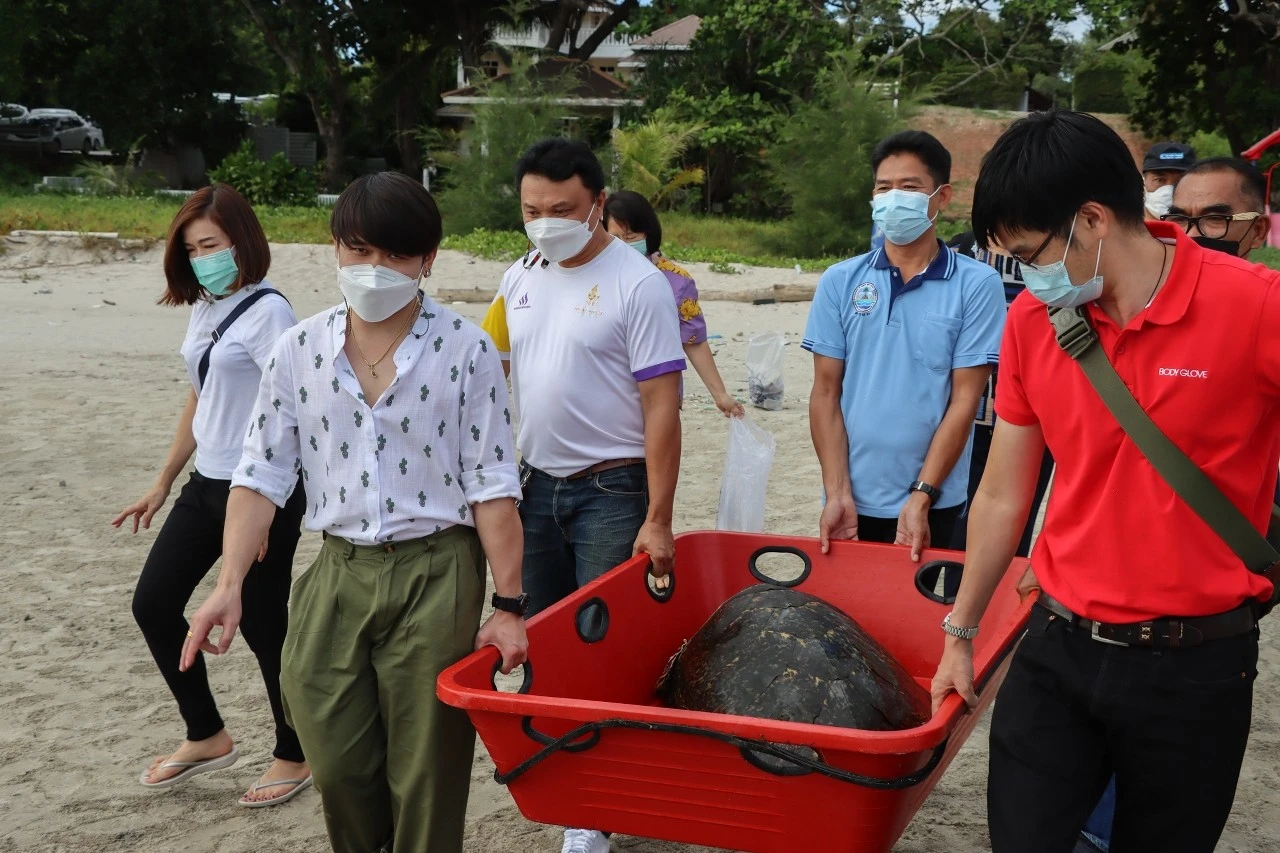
(1079, 340)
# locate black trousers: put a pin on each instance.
(978, 464)
(188, 545)
(1171, 724)
(942, 525)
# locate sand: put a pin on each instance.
(95, 385)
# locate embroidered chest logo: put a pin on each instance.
(1184, 373)
(593, 298)
(523, 303)
(865, 297)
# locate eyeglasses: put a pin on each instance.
(1028, 262)
(1211, 225)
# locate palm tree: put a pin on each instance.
(649, 158)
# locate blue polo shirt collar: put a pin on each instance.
(942, 266)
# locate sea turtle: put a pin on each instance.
(782, 654)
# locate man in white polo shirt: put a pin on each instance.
(589, 332)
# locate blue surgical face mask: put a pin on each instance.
(1051, 284)
(641, 246)
(216, 272)
(903, 215)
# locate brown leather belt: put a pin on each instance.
(1160, 633)
(607, 465)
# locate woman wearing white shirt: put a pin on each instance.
(216, 260)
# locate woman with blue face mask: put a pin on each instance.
(629, 217)
(216, 261)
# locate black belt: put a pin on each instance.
(1160, 633)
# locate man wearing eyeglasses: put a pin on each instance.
(1140, 655)
(1220, 203)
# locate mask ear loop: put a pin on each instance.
(1071, 233)
(934, 218)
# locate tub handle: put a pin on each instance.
(587, 735)
(790, 761)
(779, 549)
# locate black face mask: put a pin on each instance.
(1231, 247)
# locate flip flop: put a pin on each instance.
(192, 768)
(300, 786)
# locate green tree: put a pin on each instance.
(1213, 66)
(823, 160)
(313, 39)
(748, 61)
(1101, 82)
(137, 67)
(480, 191)
(649, 157)
(968, 56)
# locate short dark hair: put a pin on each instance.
(934, 155)
(634, 211)
(390, 211)
(1253, 185)
(227, 209)
(1045, 166)
(559, 159)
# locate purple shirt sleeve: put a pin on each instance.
(693, 325)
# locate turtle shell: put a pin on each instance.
(783, 654)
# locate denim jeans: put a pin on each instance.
(576, 530)
(1098, 830)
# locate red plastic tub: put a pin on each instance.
(587, 744)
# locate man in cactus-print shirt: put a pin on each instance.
(409, 470)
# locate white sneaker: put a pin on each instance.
(584, 841)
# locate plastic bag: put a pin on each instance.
(747, 461)
(764, 370)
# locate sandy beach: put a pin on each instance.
(82, 707)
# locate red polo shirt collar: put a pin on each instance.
(1170, 304)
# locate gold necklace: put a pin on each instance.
(371, 365)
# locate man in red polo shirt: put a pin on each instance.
(1195, 335)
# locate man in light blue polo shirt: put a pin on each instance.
(903, 341)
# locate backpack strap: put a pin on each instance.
(217, 333)
(1078, 339)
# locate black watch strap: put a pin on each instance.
(518, 605)
(930, 491)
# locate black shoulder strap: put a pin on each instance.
(217, 333)
(1078, 339)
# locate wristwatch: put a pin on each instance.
(962, 633)
(518, 605)
(931, 492)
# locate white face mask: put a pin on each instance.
(560, 239)
(375, 292)
(1159, 201)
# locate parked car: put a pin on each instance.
(59, 130)
(12, 113)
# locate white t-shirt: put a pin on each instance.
(579, 342)
(235, 369)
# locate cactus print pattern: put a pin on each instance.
(369, 496)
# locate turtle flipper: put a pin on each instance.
(669, 680)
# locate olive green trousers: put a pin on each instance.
(370, 629)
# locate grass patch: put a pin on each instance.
(1266, 256)
(131, 217)
(143, 216)
(720, 241)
